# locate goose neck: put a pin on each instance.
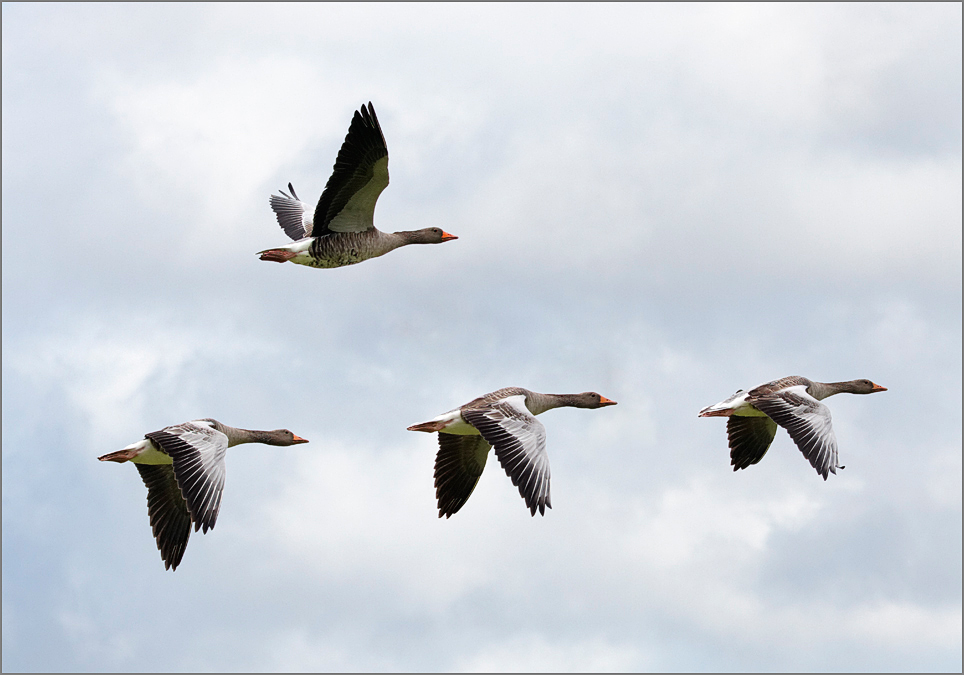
(539, 403)
(822, 390)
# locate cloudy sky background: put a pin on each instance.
(660, 203)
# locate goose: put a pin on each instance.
(504, 419)
(794, 404)
(183, 469)
(340, 230)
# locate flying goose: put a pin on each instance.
(504, 419)
(340, 230)
(793, 403)
(183, 469)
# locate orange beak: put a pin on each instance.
(605, 401)
(877, 388)
(448, 237)
(299, 439)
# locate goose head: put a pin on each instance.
(866, 387)
(590, 399)
(430, 235)
(282, 437)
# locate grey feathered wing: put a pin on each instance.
(519, 440)
(808, 422)
(198, 454)
(291, 213)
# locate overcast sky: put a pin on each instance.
(661, 203)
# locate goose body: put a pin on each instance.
(504, 419)
(183, 469)
(792, 403)
(340, 230)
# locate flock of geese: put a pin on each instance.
(183, 465)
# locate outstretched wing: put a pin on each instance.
(458, 466)
(750, 438)
(198, 453)
(519, 440)
(807, 420)
(292, 213)
(170, 520)
(359, 176)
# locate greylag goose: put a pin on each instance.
(340, 231)
(183, 469)
(793, 403)
(504, 419)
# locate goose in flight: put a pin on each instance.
(505, 420)
(340, 230)
(183, 469)
(794, 404)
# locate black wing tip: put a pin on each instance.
(173, 562)
(824, 471)
(367, 115)
(273, 199)
(172, 554)
(370, 119)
